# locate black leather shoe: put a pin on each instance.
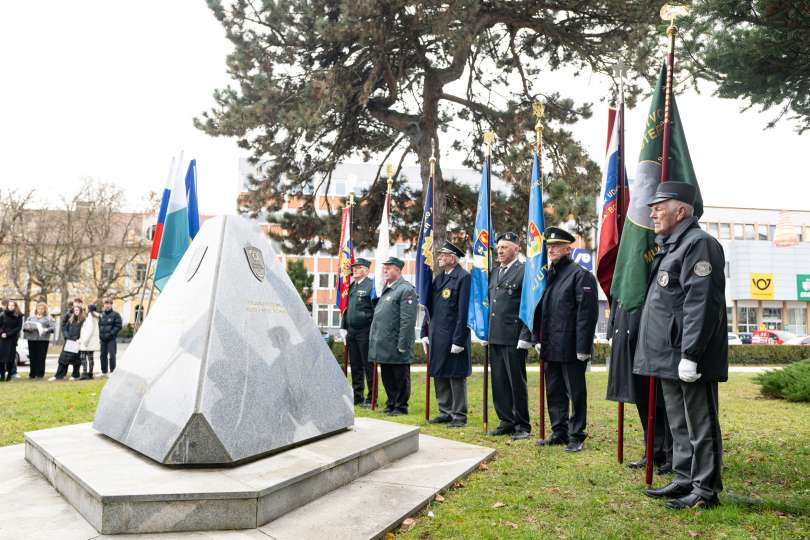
(457, 424)
(441, 419)
(552, 441)
(666, 468)
(520, 435)
(692, 500)
(575, 446)
(500, 430)
(640, 464)
(671, 490)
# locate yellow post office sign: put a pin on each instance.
(762, 286)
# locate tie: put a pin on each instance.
(501, 274)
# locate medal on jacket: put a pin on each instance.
(663, 278)
(446, 294)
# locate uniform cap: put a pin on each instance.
(396, 262)
(679, 191)
(509, 237)
(362, 262)
(451, 249)
(556, 235)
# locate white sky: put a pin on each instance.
(108, 89)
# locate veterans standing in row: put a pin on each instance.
(509, 341)
(446, 331)
(357, 324)
(564, 327)
(683, 341)
(392, 336)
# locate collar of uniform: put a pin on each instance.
(391, 285)
(676, 234)
(508, 266)
(360, 281)
(562, 263)
(451, 272)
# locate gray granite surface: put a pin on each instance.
(227, 367)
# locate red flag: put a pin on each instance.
(345, 260)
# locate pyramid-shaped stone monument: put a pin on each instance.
(229, 365)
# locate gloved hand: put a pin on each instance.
(455, 349)
(582, 357)
(401, 350)
(425, 343)
(343, 334)
(537, 348)
(485, 343)
(524, 345)
(687, 371)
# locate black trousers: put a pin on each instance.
(37, 352)
(509, 391)
(396, 379)
(109, 348)
(362, 369)
(65, 360)
(697, 457)
(8, 365)
(662, 436)
(565, 383)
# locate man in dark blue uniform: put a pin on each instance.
(449, 337)
(564, 326)
(356, 323)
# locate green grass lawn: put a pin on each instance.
(529, 492)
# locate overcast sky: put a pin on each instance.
(108, 89)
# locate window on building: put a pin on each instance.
(799, 232)
(335, 317)
(323, 316)
(150, 232)
(138, 314)
(725, 231)
(746, 319)
(140, 272)
(771, 231)
(714, 230)
(323, 281)
(729, 325)
(339, 187)
(728, 269)
(762, 233)
(750, 233)
(772, 318)
(738, 231)
(797, 321)
(703, 226)
(107, 271)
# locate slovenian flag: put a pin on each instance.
(175, 237)
(191, 197)
(164, 205)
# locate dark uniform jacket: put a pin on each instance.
(109, 325)
(505, 326)
(447, 306)
(684, 314)
(392, 329)
(565, 319)
(10, 324)
(360, 310)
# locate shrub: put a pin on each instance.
(791, 383)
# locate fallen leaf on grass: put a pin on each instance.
(531, 519)
(554, 490)
(498, 504)
(390, 536)
(483, 467)
(510, 524)
(458, 484)
(431, 515)
(408, 524)
(439, 498)
(694, 534)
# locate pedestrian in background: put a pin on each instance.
(108, 328)
(89, 342)
(71, 332)
(38, 329)
(10, 326)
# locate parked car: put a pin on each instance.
(734, 339)
(600, 337)
(805, 340)
(745, 337)
(771, 337)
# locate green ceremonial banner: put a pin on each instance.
(637, 245)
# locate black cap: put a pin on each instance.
(396, 262)
(556, 235)
(362, 262)
(680, 191)
(451, 249)
(508, 236)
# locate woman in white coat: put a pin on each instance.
(89, 342)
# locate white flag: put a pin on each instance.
(382, 253)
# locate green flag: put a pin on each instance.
(637, 245)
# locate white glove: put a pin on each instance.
(425, 343)
(401, 350)
(524, 345)
(485, 343)
(343, 334)
(687, 371)
(582, 357)
(537, 348)
(455, 349)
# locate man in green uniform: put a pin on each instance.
(356, 324)
(392, 336)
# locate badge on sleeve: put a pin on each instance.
(702, 268)
(663, 278)
(446, 294)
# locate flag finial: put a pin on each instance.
(489, 138)
(389, 170)
(351, 198)
(539, 113)
(670, 12)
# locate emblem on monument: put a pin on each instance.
(255, 261)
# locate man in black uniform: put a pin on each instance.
(683, 341)
(564, 326)
(449, 337)
(509, 341)
(356, 324)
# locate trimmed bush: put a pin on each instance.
(791, 383)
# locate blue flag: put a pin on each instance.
(534, 271)
(424, 249)
(478, 313)
(191, 196)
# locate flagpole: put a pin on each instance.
(389, 169)
(620, 195)
(138, 322)
(489, 138)
(346, 341)
(668, 12)
(539, 113)
(427, 347)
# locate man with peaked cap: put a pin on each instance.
(509, 341)
(564, 326)
(683, 342)
(392, 336)
(449, 337)
(356, 323)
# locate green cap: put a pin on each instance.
(396, 262)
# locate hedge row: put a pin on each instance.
(737, 354)
(791, 383)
